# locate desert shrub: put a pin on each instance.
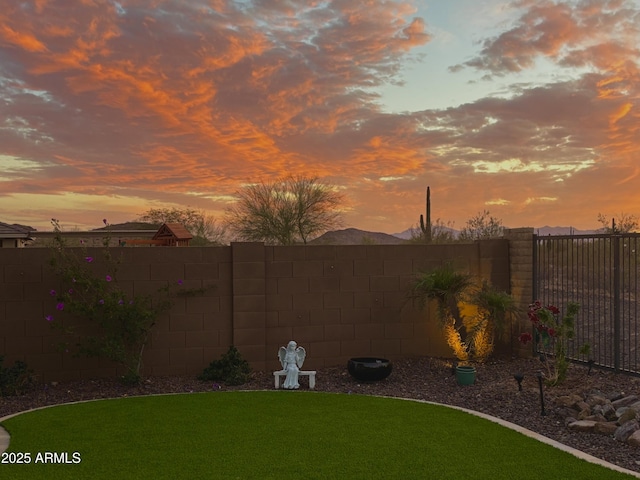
(553, 331)
(15, 380)
(231, 369)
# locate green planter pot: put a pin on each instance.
(465, 375)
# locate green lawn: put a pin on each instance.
(262, 435)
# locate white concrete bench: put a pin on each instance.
(305, 373)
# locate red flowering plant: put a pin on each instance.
(553, 332)
(97, 313)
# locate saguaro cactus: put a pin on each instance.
(426, 228)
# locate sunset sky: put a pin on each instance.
(530, 109)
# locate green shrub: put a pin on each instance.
(231, 369)
(15, 380)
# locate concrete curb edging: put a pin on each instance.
(4, 439)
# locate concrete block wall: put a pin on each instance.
(347, 301)
(337, 301)
(521, 281)
(196, 330)
(249, 302)
(343, 301)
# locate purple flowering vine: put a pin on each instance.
(94, 295)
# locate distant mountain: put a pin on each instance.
(542, 231)
(547, 230)
(353, 236)
(407, 234)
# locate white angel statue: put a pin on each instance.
(292, 357)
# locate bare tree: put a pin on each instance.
(204, 228)
(482, 226)
(624, 223)
(285, 212)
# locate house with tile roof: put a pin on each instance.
(130, 234)
(15, 235)
(168, 235)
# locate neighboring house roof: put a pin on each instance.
(174, 231)
(121, 227)
(15, 231)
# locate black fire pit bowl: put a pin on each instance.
(369, 369)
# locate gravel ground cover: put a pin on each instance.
(495, 393)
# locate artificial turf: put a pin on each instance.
(280, 434)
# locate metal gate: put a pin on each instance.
(601, 273)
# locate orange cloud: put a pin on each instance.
(184, 101)
(588, 32)
(620, 113)
(24, 41)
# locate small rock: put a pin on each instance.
(623, 432)
(581, 406)
(628, 415)
(620, 411)
(582, 426)
(625, 402)
(634, 439)
(569, 420)
(596, 418)
(568, 400)
(594, 400)
(584, 414)
(609, 412)
(605, 428)
(613, 396)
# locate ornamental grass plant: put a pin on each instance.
(469, 316)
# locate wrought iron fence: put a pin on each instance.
(602, 274)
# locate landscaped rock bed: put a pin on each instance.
(611, 414)
(495, 393)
